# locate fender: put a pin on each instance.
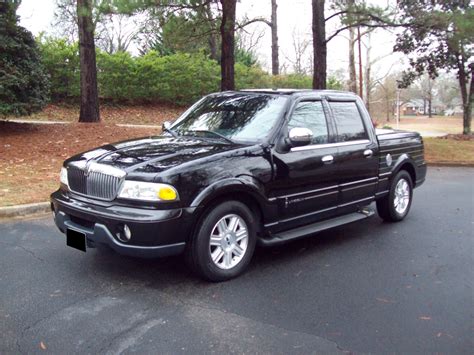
(231, 185)
(402, 160)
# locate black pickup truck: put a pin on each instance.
(237, 169)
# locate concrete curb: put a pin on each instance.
(37, 121)
(69, 122)
(24, 210)
(451, 165)
(138, 125)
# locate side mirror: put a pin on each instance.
(300, 136)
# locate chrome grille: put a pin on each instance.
(98, 182)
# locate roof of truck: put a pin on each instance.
(298, 91)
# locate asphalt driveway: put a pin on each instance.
(367, 287)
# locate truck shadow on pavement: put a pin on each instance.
(284, 258)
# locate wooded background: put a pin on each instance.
(188, 48)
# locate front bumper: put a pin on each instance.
(155, 233)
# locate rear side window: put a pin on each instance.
(310, 114)
(349, 124)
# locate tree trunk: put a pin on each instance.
(429, 107)
(367, 79)
(274, 22)
(213, 47)
(361, 79)
(319, 45)
(352, 67)
(212, 36)
(228, 43)
(467, 97)
(89, 111)
(430, 99)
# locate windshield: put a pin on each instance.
(239, 116)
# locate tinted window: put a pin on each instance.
(239, 116)
(348, 121)
(310, 114)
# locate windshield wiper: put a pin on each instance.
(212, 132)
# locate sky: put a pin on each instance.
(294, 21)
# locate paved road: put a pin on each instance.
(367, 287)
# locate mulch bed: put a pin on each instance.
(150, 114)
(459, 137)
(31, 155)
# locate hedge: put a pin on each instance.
(179, 78)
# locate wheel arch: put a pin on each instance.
(231, 189)
(404, 162)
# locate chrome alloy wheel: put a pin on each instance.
(402, 196)
(228, 241)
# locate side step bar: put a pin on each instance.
(292, 234)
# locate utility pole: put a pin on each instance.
(274, 27)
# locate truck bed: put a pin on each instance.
(398, 143)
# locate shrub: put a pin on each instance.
(61, 61)
(251, 77)
(24, 85)
(117, 76)
(179, 78)
(293, 81)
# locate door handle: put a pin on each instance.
(368, 153)
(328, 159)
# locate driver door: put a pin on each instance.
(305, 184)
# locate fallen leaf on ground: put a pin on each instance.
(384, 300)
(42, 346)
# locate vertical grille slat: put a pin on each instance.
(95, 184)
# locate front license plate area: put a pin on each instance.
(76, 239)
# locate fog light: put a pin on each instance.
(124, 234)
(127, 232)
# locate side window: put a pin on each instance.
(310, 114)
(348, 121)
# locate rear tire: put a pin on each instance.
(395, 206)
(223, 243)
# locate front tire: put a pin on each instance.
(395, 206)
(224, 242)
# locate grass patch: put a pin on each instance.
(449, 151)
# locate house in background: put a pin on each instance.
(420, 107)
(412, 107)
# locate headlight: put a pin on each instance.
(63, 177)
(148, 191)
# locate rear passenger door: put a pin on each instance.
(357, 160)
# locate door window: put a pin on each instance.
(310, 114)
(348, 120)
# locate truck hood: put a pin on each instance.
(153, 154)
